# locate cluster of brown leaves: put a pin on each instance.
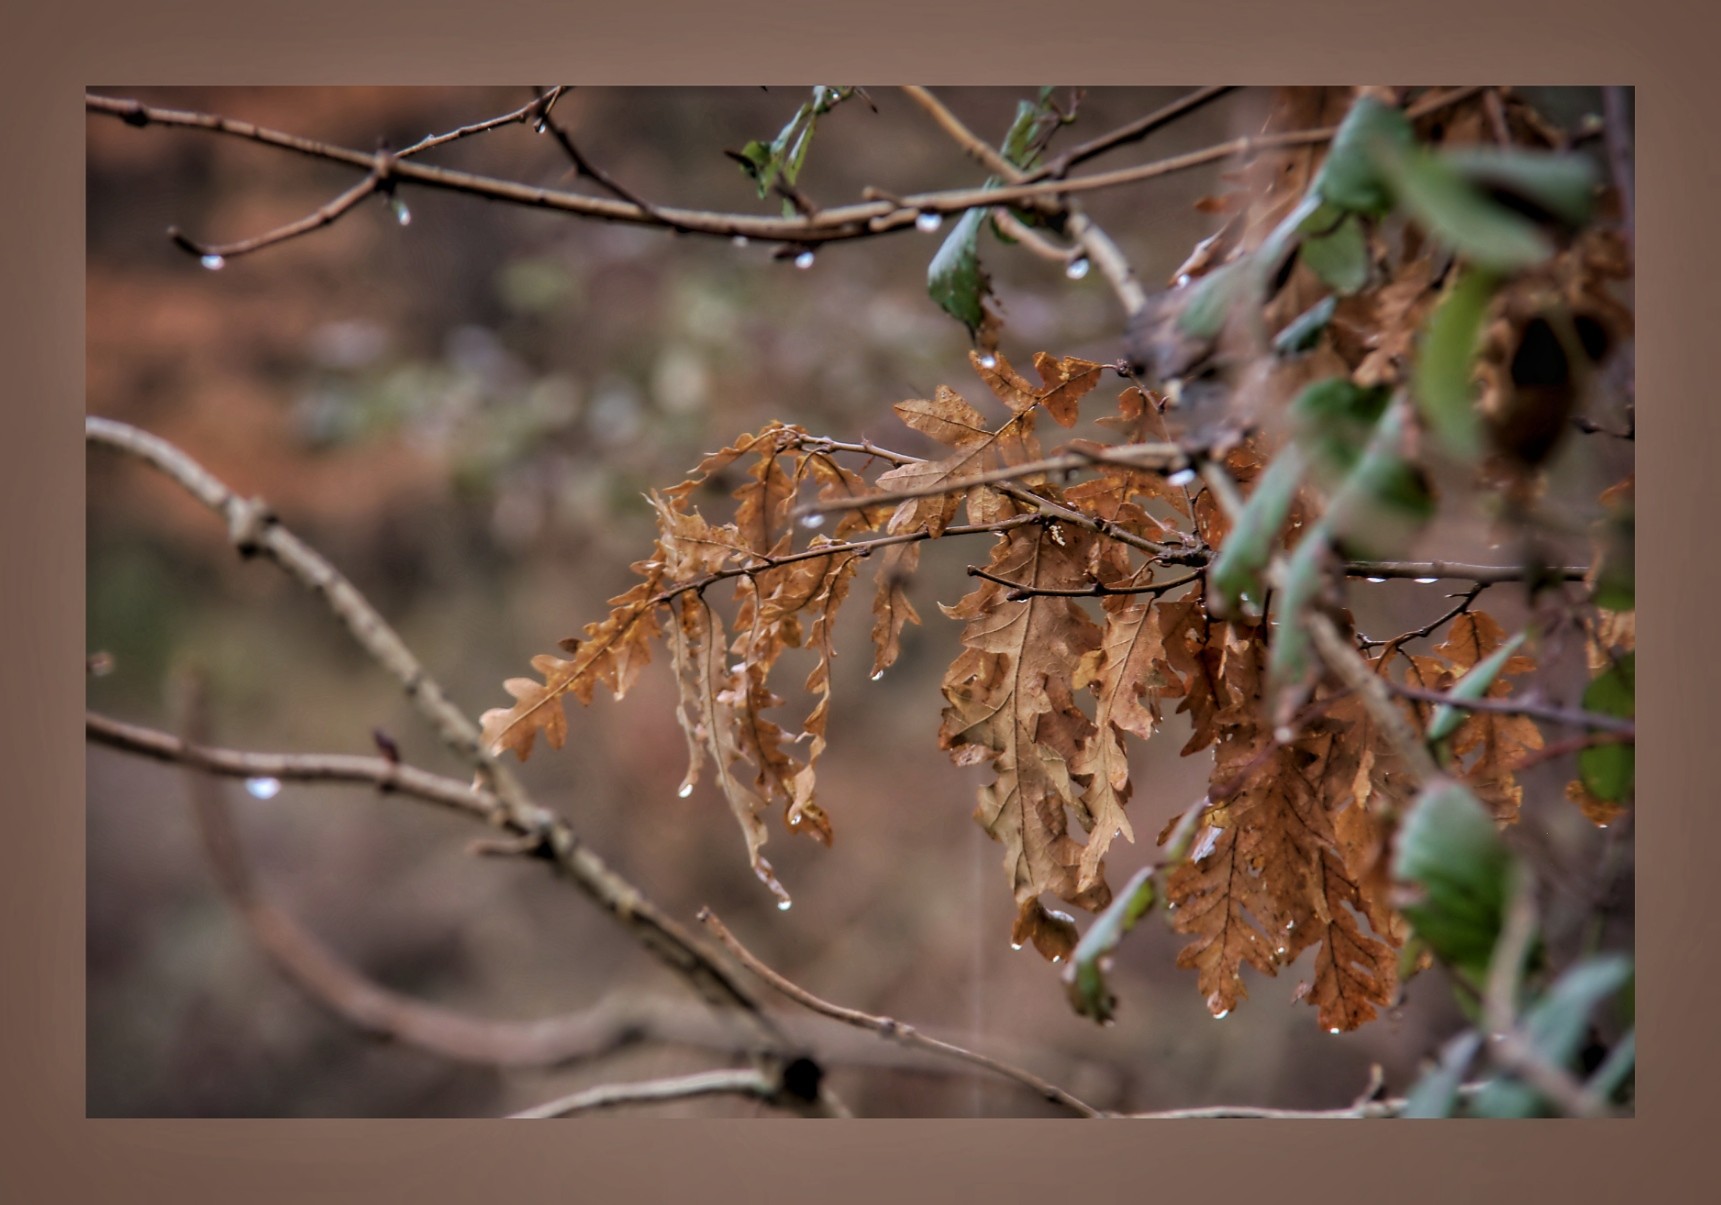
(1291, 846)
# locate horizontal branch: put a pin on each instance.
(1507, 706)
(1021, 591)
(1435, 570)
(886, 1026)
(748, 1083)
(828, 225)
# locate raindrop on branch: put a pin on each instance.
(1182, 477)
(928, 221)
(263, 787)
(812, 519)
(804, 260)
(1377, 580)
(1078, 267)
(740, 240)
(213, 262)
(1426, 581)
(402, 214)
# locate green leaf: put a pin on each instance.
(1032, 119)
(1449, 850)
(1460, 215)
(1331, 421)
(786, 154)
(1436, 1093)
(1203, 315)
(1236, 575)
(1339, 253)
(1472, 686)
(1301, 332)
(1351, 178)
(1084, 978)
(955, 278)
(1609, 771)
(1445, 363)
(1561, 185)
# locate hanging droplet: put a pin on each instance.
(263, 787)
(1015, 945)
(988, 361)
(740, 240)
(1334, 1029)
(812, 519)
(213, 262)
(402, 214)
(1183, 280)
(1284, 734)
(928, 221)
(1377, 580)
(1057, 958)
(1182, 477)
(686, 790)
(804, 260)
(1222, 1014)
(1426, 581)
(1078, 267)
(879, 673)
(784, 904)
(1281, 951)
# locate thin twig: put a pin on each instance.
(586, 167)
(1508, 706)
(387, 776)
(1135, 131)
(1020, 591)
(749, 1083)
(519, 116)
(1465, 602)
(214, 254)
(886, 1026)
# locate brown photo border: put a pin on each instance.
(49, 1152)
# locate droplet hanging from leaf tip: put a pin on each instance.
(988, 361)
(263, 787)
(1015, 945)
(686, 790)
(1335, 1029)
(879, 673)
(1222, 1014)
(784, 904)
(213, 262)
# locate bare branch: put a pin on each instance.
(750, 1083)
(1435, 570)
(1135, 131)
(1536, 711)
(886, 1026)
(214, 255)
(255, 530)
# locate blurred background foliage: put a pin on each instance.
(463, 412)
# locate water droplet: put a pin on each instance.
(879, 673)
(1182, 477)
(988, 361)
(1281, 951)
(1334, 1029)
(686, 790)
(402, 214)
(214, 262)
(1078, 267)
(804, 260)
(1284, 734)
(784, 904)
(1183, 280)
(794, 820)
(1015, 945)
(1601, 826)
(812, 519)
(263, 787)
(1289, 925)
(1222, 1014)
(1377, 580)
(1057, 958)
(1426, 581)
(740, 240)
(928, 221)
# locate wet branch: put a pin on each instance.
(886, 1026)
